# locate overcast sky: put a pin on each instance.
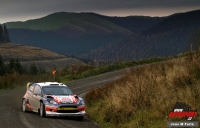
(22, 10)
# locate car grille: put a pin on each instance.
(68, 109)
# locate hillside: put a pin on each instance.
(96, 37)
(87, 23)
(28, 55)
(135, 24)
(149, 93)
(175, 21)
(69, 23)
(74, 33)
(141, 47)
(171, 36)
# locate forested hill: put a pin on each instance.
(70, 24)
(136, 24)
(4, 34)
(76, 33)
(176, 21)
(171, 36)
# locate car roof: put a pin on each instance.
(42, 84)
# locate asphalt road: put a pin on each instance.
(11, 115)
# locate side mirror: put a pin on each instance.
(76, 96)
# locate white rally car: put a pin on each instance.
(52, 99)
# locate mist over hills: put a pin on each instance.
(93, 36)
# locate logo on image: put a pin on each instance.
(182, 110)
(184, 116)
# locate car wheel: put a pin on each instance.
(80, 118)
(23, 105)
(42, 110)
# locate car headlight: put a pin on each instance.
(81, 102)
(45, 102)
(53, 102)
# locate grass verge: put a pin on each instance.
(87, 71)
(144, 96)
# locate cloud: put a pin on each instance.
(23, 9)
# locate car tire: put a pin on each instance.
(23, 107)
(42, 110)
(79, 118)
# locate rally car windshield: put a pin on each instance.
(56, 90)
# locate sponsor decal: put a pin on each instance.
(65, 99)
(51, 108)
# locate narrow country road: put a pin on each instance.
(11, 115)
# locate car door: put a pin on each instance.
(30, 94)
(35, 99)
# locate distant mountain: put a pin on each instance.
(70, 24)
(170, 36)
(75, 33)
(176, 21)
(67, 33)
(93, 36)
(135, 24)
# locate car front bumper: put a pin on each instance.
(54, 111)
(49, 113)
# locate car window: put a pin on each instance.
(57, 91)
(31, 88)
(48, 91)
(37, 90)
(67, 91)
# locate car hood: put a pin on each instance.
(64, 99)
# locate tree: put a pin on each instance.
(41, 71)
(2, 66)
(195, 39)
(1, 33)
(11, 66)
(14, 66)
(6, 34)
(18, 67)
(33, 69)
